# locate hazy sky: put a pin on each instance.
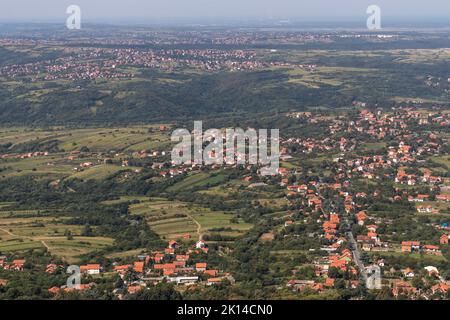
(127, 10)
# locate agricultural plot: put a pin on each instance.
(172, 220)
(21, 234)
(444, 161)
(98, 172)
(196, 180)
(226, 189)
(21, 135)
(133, 139)
(53, 165)
(125, 199)
(71, 250)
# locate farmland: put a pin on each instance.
(40, 232)
(175, 219)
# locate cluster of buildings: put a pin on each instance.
(315, 196)
(182, 267)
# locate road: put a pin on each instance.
(356, 252)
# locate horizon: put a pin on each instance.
(342, 22)
(198, 11)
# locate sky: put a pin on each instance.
(102, 11)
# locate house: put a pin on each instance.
(200, 244)
(51, 268)
(179, 264)
(183, 280)
(173, 244)
(300, 284)
(180, 257)
(431, 249)
(200, 267)
(408, 273)
(314, 202)
(134, 289)
(334, 218)
(288, 223)
(403, 288)
(90, 269)
(443, 197)
(211, 273)
(54, 290)
(440, 288)
(410, 246)
(361, 217)
(17, 265)
(427, 209)
(122, 269)
(444, 239)
(329, 283)
(169, 272)
(214, 281)
(340, 264)
(80, 287)
(432, 271)
(158, 257)
(169, 251)
(138, 267)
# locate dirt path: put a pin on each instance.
(199, 227)
(8, 232)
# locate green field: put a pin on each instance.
(173, 219)
(196, 180)
(21, 234)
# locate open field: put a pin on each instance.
(196, 180)
(443, 160)
(98, 172)
(20, 234)
(133, 138)
(174, 219)
(425, 258)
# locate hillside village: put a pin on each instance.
(378, 177)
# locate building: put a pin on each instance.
(90, 269)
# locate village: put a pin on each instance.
(339, 211)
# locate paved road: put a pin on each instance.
(356, 252)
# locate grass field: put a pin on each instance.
(134, 138)
(443, 160)
(173, 219)
(196, 180)
(98, 172)
(21, 234)
(425, 258)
